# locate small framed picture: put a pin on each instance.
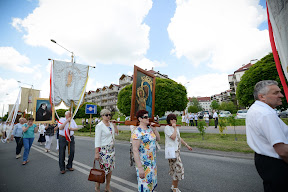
(43, 111)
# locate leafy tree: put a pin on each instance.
(215, 105)
(232, 122)
(201, 128)
(194, 106)
(264, 69)
(169, 96)
(192, 109)
(228, 106)
(61, 112)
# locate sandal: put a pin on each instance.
(25, 162)
(177, 190)
(97, 189)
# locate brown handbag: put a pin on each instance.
(97, 175)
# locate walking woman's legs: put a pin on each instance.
(108, 179)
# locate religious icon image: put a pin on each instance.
(43, 111)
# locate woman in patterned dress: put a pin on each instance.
(104, 146)
(144, 149)
(173, 139)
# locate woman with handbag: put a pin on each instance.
(28, 137)
(18, 134)
(104, 146)
(173, 142)
(144, 150)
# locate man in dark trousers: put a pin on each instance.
(267, 135)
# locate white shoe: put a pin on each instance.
(18, 156)
(176, 190)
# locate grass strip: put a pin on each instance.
(211, 141)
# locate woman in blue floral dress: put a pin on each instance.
(144, 149)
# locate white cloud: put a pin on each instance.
(9, 90)
(145, 63)
(221, 33)
(92, 84)
(13, 60)
(109, 31)
(204, 85)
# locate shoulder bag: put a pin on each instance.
(97, 175)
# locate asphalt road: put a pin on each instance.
(203, 173)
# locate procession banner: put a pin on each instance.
(143, 94)
(28, 96)
(43, 111)
(68, 81)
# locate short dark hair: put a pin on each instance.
(140, 113)
(31, 118)
(170, 116)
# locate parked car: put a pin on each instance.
(162, 118)
(283, 114)
(241, 114)
(225, 114)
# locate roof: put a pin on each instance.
(243, 68)
(203, 99)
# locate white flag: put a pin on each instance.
(278, 13)
(68, 82)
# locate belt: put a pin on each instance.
(65, 137)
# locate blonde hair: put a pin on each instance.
(104, 112)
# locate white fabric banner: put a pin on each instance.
(68, 81)
(28, 96)
(278, 12)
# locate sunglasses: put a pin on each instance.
(108, 115)
(145, 117)
(173, 119)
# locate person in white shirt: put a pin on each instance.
(206, 118)
(104, 146)
(173, 139)
(196, 118)
(66, 124)
(191, 117)
(215, 117)
(183, 119)
(267, 135)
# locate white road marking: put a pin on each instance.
(54, 156)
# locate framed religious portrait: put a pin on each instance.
(43, 111)
(143, 93)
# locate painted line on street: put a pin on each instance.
(54, 156)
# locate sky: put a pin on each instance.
(196, 43)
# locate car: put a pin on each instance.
(283, 114)
(201, 114)
(241, 114)
(225, 114)
(162, 118)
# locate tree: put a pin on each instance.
(215, 105)
(194, 106)
(61, 112)
(264, 69)
(169, 96)
(228, 106)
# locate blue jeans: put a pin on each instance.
(27, 142)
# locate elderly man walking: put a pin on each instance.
(267, 135)
(69, 125)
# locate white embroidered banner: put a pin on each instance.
(68, 82)
(278, 13)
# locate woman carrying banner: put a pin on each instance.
(173, 141)
(28, 137)
(104, 146)
(144, 149)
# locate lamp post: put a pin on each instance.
(72, 56)
(253, 60)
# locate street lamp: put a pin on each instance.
(25, 84)
(253, 60)
(72, 56)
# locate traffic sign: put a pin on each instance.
(91, 109)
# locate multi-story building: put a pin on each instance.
(235, 78)
(107, 96)
(205, 103)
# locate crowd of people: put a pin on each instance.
(191, 119)
(267, 135)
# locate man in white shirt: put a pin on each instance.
(215, 117)
(191, 117)
(267, 135)
(66, 124)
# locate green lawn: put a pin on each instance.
(211, 141)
